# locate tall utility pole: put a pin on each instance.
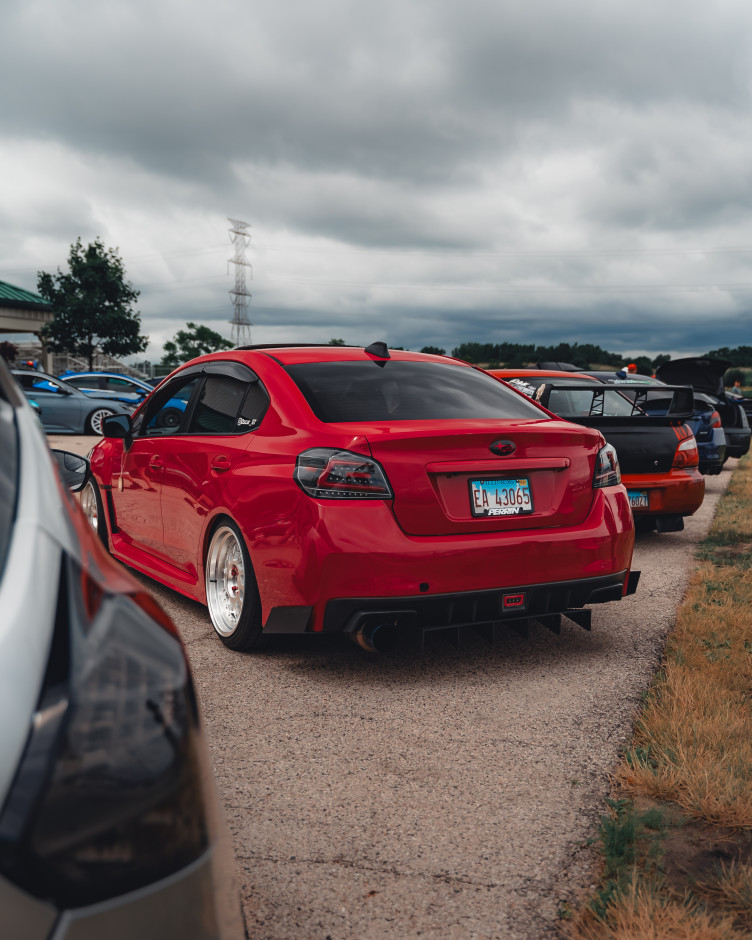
(241, 297)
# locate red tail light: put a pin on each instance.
(340, 474)
(715, 420)
(686, 455)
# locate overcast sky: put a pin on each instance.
(425, 172)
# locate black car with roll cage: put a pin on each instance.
(648, 427)
(705, 422)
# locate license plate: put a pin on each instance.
(500, 497)
(638, 499)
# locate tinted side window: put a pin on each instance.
(254, 407)
(167, 410)
(218, 406)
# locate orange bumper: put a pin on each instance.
(678, 492)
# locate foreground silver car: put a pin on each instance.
(109, 822)
(65, 408)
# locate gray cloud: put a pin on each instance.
(429, 172)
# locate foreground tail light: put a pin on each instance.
(108, 796)
(607, 472)
(686, 455)
(340, 474)
(715, 420)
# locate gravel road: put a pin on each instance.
(443, 794)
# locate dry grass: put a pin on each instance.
(692, 749)
(641, 914)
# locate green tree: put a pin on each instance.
(434, 350)
(8, 351)
(336, 342)
(644, 365)
(738, 356)
(195, 341)
(93, 305)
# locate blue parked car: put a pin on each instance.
(66, 409)
(124, 388)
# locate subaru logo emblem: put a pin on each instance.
(503, 448)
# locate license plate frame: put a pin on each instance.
(499, 497)
(639, 499)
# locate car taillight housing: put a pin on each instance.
(715, 420)
(108, 796)
(327, 473)
(686, 455)
(607, 472)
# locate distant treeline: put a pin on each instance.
(740, 356)
(584, 355)
(517, 355)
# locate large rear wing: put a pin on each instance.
(618, 404)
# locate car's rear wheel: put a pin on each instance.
(231, 592)
(95, 421)
(91, 504)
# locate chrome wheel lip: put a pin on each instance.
(225, 581)
(96, 419)
(89, 505)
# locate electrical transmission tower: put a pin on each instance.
(241, 297)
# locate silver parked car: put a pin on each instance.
(65, 408)
(109, 821)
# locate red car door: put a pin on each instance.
(203, 472)
(137, 489)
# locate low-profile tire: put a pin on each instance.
(231, 591)
(95, 421)
(91, 504)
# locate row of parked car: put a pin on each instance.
(375, 493)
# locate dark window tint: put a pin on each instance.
(254, 407)
(405, 391)
(166, 411)
(218, 405)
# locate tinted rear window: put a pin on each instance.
(405, 391)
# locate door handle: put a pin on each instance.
(220, 463)
(155, 463)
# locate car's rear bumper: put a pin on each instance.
(366, 559)
(474, 608)
(193, 904)
(737, 442)
(677, 493)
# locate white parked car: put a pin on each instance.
(109, 822)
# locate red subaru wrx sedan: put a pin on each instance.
(368, 491)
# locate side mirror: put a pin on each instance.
(117, 426)
(73, 469)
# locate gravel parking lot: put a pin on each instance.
(442, 794)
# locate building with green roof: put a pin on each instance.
(21, 311)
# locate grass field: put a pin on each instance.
(676, 839)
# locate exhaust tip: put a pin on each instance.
(377, 636)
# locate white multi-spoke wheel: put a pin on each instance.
(231, 592)
(92, 508)
(95, 421)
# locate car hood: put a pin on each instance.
(705, 375)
